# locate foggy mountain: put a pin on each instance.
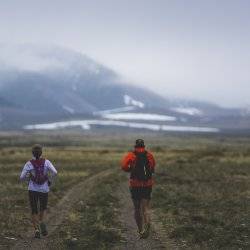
(51, 84)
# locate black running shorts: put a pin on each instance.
(138, 193)
(38, 199)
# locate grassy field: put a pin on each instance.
(202, 192)
(203, 196)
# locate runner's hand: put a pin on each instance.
(131, 167)
(28, 176)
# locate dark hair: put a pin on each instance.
(139, 143)
(37, 147)
(37, 150)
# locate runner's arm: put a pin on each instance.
(127, 162)
(51, 168)
(52, 172)
(25, 172)
(151, 160)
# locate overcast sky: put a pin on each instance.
(194, 49)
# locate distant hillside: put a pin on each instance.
(56, 84)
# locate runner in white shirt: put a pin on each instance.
(40, 173)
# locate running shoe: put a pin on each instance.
(37, 234)
(140, 233)
(146, 231)
(44, 230)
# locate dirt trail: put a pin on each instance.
(157, 239)
(57, 214)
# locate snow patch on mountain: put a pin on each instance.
(128, 100)
(188, 111)
(86, 125)
(139, 116)
(116, 110)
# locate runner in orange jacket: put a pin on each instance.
(141, 165)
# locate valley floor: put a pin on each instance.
(200, 200)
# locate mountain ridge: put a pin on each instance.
(66, 85)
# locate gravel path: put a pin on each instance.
(57, 214)
(157, 239)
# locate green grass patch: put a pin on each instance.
(74, 164)
(92, 223)
(201, 193)
(203, 197)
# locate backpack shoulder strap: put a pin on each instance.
(133, 152)
(146, 155)
(43, 160)
(32, 161)
(40, 162)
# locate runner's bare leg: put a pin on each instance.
(138, 214)
(145, 204)
(35, 221)
(41, 215)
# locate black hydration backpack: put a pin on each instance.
(141, 171)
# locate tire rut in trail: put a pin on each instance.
(132, 240)
(157, 239)
(57, 214)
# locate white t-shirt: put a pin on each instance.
(48, 169)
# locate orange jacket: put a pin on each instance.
(129, 161)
